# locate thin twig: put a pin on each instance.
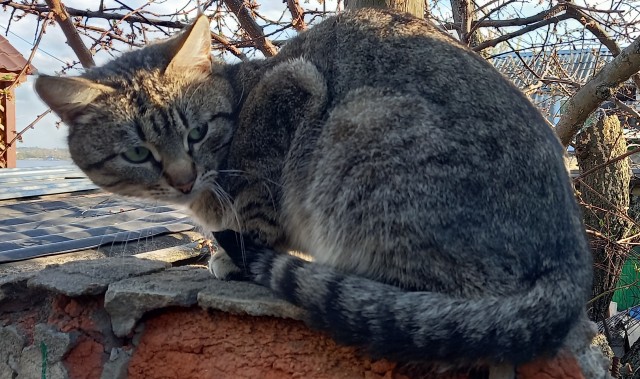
(27, 66)
(18, 135)
(602, 165)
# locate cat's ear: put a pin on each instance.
(192, 49)
(67, 96)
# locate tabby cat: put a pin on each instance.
(429, 192)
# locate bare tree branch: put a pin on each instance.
(416, 8)
(27, 66)
(527, 29)
(73, 38)
(40, 11)
(18, 136)
(106, 33)
(626, 108)
(600, 88)
(478, 23)
(297, 15)
(251, 27)
(544, 15)
(598, 31)
(16, 81)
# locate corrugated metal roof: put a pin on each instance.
(10, 59)
(41, 227)
(34, 225)
(572, 65)
(26, 182)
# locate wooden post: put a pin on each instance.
(7, 126)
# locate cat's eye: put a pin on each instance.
(197, 134)
(138, 154)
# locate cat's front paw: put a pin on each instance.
(242, 252)
(236, 246)
(223, 268)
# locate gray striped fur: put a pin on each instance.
(430, 193)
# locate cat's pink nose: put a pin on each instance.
(181, 175)
(184, 188)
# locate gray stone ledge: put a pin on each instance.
(129, 299)
(246, 298)
(9, 283)
(92, 277)
(175, 253)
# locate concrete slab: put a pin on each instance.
(246, 298)
(92, 277)
(33, 366)
(129, 299)
(175, 253)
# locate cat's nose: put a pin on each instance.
(184, 188)
(183, 183)
(181, 176)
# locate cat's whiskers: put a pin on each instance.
(225, 201)
(208, 180)
(154, 209)
(225, 196)
(249, 174)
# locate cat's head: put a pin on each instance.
(153, 123)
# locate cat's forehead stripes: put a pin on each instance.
(139, 130)
(158, 122)
(182, 118)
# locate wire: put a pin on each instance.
(31, 43)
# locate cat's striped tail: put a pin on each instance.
(419, 326)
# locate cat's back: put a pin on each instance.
(381, 47)
(397, 53)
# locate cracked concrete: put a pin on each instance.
(246, 298)
(44, 357)
(92, 277)
(129, 299)
(32, 366)
(57, 343)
